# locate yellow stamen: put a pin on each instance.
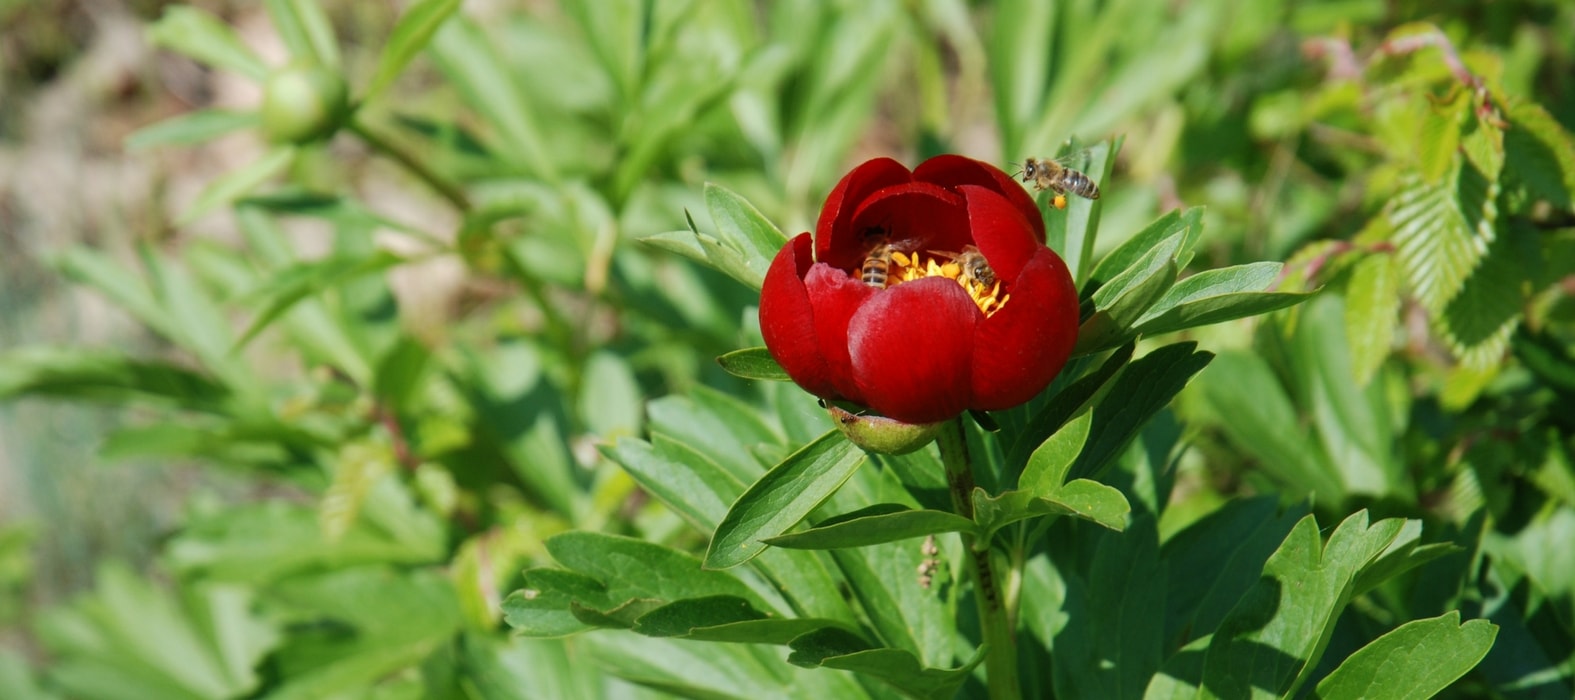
(907, 267)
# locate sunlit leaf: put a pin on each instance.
(781, 498)
(875, 525)
(416, 26)
(1415, 660)
(202, 36)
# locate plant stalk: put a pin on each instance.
(995, 619)
(410, 163)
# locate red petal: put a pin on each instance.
(911, 347)
(1019, 349)
(915, 216)
(835, 296)
(787, 321)
(955, 171)
(1000, 231)
(836, 215)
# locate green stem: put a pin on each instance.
(448, 190)
(995, 618)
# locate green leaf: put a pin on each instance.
(1285, 620)
(1415, 660)
(1189, 224)
(190, 128)
(205, 38)
(261, 543)
(1540, 153)
(133, 639)
(1048, 465)
(305, 28)
(1372, 305)
(781, 498)
(542, 607)
(120, 285)
(633, 569)
(1215, 296)
(1119, 303)
(753, 363)
(1251, 407)
(1080, 226)
(724, 619)
(1065, 404)
(1441, 231)
(399, 374)
(611, 403)
(226, 188)
(1110, 645)
(416, 26)
(1478, 322)
(481, 76)
(742, 227)
(302, 280)
(836, 648)
(104, 376)
(874, 525)
(1144, 389)
(1079, 498)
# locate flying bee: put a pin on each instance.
(1051, 174)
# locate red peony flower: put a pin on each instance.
(890, 304)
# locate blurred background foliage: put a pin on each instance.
(291, 405)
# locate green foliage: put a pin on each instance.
(561, 476)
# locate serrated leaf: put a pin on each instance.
(190, 128)
(874, 525)
(206, 38)
(1540, 153)
(1372, 309)
(226, 188)
(1048, 465)
(1438, 144)
(1415, 660)
(1478, 322)
(753, 363)
(410, 36)
(781, 498)
(357, 467)
(1441, 231)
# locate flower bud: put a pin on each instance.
(303, 102)
(881, 434)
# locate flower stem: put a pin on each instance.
(446, 189)
(995, 619)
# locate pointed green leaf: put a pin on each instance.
(190, 128)
(1065, 404)
(753, 363)
(836, 648)
(101, 376)
(1189, 224)
(1541, 153)
(411, 35)
(1049, 464)
(781, 498)
(874, 525)
(206, 38)
(1416, 660)
(1144, 388)
(305, 28)
(231, 185)
(302, 280)
(724, 619)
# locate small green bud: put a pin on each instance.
(303, 102)
(882, 434)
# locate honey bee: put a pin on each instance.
(877, 262)
(1051, 174)
(975, 267)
